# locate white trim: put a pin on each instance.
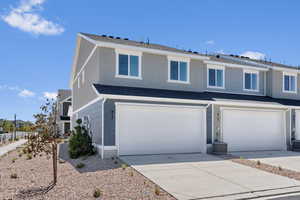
(83, 77)
(85, 63)
(215, 67)
(229, 103)
(110, 148)
(257, 80)
(265, 83)
(228, 92)
(290, 140)
(177, 59)
(128, 53)
(144, 49)
(78, 83)
(88, 104)
(162, 105)
(212, 123)
(283, 82)
(283, 69)
(235, 65)
(102, 126)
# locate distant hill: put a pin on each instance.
(8, 125)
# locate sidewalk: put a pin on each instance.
(12, 146)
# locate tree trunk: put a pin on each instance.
(54, 159)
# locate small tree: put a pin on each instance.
(80, 142)
(45, 141)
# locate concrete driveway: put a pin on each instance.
(285, 159)
(200, 176)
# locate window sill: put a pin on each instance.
(215, 87)
(181, 82)
(129, 77)
(289, 92)
(249, 90)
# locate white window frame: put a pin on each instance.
(296, 82)
(257, 80)
(128, 53)
(215, 67)
(179, 59)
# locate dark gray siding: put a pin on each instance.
(94, 112)
(209, 124)
(109, 121)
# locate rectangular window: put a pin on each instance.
(250, 80)
(216, 77)
(178, 71)
(289, 83)
(128, 65)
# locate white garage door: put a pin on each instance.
(158, 129)
(253, 130)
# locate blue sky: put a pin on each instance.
(38, 36)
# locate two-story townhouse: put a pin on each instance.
(142, 98)
(64, 106)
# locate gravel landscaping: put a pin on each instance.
(23, 178)
(265, 167)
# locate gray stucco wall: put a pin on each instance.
(94, 113)
(155, 74)
(109, 118)
(234, 81)
(277, 86)
(84, 51)
(86, 93)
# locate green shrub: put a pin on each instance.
(157, 190)
(97, 193)
(29, 157)
(13, 160)
(14, 176)
(124, 166)
(80, 165)
(80, 143)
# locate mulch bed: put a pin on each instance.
(265, 167)
(34, 177)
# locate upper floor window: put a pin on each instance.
(178, 70)
(215, 77)
(251, 80)
(289, 82)
(128, 64)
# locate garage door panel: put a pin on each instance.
(150, 129)
(253, 130)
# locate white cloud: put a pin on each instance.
(26, 93)
(50, 95)
(210, 42)
(26, 18)
(221, 51)
(254, 55)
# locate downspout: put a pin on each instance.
(102, 132)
